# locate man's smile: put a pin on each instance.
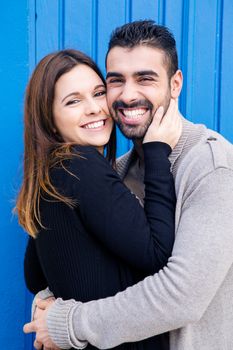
(132, 115)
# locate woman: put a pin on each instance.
(93, 238)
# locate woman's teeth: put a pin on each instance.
(94, 125)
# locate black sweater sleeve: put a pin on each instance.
(143, 239)
(33, 274)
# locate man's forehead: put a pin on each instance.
(126, 61)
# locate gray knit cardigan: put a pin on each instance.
(192, 297)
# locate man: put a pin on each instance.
(192, 296)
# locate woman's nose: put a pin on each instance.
(92, 107)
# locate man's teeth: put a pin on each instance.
(133, 113)
(94, 125)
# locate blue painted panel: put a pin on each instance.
(203, 62)
(150, 10)
(78, 28)
(120, 13)
(203, 31)
(197, 25)
(226, 73)
(48, 27)
(174, 20)
(13, 77)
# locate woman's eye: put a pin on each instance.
(72, 102)
(100, 93)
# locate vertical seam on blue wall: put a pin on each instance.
(164, 12)
(161, 12)
(94, 39)
(32, 58)
(61, 24)
(32, 19)
(193, 65)
(128, 11)
(218, 66)
(36, 27)
(32, 54)
(184, 53)
(128, 18)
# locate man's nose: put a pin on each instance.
(92, 107)
(129, 93)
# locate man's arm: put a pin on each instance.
(178, 294)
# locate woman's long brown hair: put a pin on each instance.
(44, 148)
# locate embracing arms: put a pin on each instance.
(177, 295)
(111, 213)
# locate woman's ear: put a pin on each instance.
(176, 84)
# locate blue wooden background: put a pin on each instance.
(29, 29)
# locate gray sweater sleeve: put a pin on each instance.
(180, 293)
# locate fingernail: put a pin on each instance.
(160, 109)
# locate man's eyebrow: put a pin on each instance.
(146, 72)
(114, 74)
(136, 74)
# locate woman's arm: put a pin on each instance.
(109, 211)
(33, 274)
(113, 214)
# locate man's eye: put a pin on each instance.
(100, 93)
(114, 81)
(146, 79)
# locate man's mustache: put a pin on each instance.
(140, 103)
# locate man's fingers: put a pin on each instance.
(158, 116)
(171, 115)
(37, 345)
(43, 304)
(171, 110)
(30, 327)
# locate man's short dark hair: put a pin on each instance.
(149, 34)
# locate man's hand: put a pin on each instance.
(40, 327)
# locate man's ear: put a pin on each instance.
(176, 84)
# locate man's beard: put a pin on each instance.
(137, 131)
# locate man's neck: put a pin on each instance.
(138, 148)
